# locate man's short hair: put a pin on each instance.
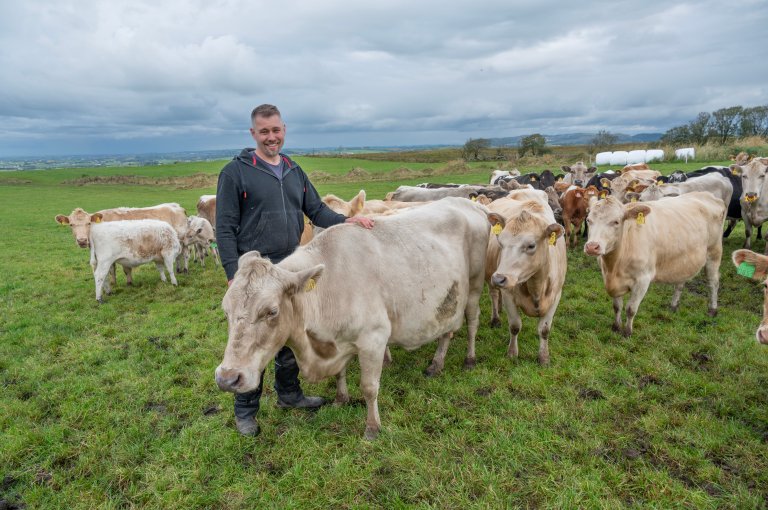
(264, 110)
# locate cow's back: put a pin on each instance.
(171, 213)
(676, 237)
(411, 273)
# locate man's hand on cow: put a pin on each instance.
(229, 282)
(361, 220)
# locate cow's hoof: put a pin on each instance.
(712, 312)
(616, 328)
(544, 361)
(371, 433)
(432, 371)
(627, 333)
(469, 363)
(495, 323)
(341, 401)
(673, 308)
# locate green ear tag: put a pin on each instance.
(746, 269)
(214, 245)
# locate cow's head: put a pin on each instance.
(80, 223)
(606, 224)
(199, 230)
(760, 265)
(524, 241)
(752, 178)
(351, 208)
(553, 200)
(260, 316)
(581, 174)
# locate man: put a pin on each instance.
(261, 199)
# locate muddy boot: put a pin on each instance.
(246, 407)
(287, 385)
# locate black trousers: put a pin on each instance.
(286, 385)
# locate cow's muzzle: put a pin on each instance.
(228, 379)
(501, 281)
(83, 243)
(762, 335)
(750, 197)
(592, 249)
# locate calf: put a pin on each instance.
(667, 241)
(201, 237)
(760, 265)
(426, 265)
(131, 243)
(575, 204)
(530, 266)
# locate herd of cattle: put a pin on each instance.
(419, 273)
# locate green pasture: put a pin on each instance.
(115, 406)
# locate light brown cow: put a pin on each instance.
(206, 208)
(530, 266)
(575, 203)
(426, 265)
(629, 180)
(578, 173)
(666, 241)
(760, 263)
(635, 166)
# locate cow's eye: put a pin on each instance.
(531, 247)
(271, 313)
(616, 223)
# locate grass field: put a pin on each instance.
(115, 406)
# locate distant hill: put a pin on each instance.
(576, 139)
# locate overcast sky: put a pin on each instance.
(92, 76)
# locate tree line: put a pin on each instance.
(720, 126)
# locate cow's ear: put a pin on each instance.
(64, 220)
(636, 211)
(735, 170)
(566, 168)
(96, 217)
(605, 183)
(304, 281)
(553, 231)
(632, 196)
(591, 169)
(357, 204)
(496, 219)
(759, 262)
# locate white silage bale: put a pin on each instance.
(619, 158)
(635, 157)
(654, 155)
(603, 158)
(686, 153)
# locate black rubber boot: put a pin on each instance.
(246, 407)
(287, 384)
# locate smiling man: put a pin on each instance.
(261, 199)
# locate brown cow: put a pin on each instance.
(575, 203)
(206, 208)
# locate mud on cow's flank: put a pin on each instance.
(448, 307)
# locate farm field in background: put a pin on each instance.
(115, 406)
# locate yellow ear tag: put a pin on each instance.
(474, 199)
(552, 238)
(603, 194)
(640, 218)
(659, 183)
(735, 172)
(497, 229)
(633, 199)
(311, 284)
(98, 220)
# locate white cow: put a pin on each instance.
(201, 237)
(754, 195)
(667, 241)
(416, 276)
(131, 243)
(717, 184)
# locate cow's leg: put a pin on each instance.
(618, 304)
(472, 316)
(676, 296)
(168, 259)
(633, 303)
(370, 375)
(731, 223)
(161, 269)
(100, 278)
(545, 326)
(515, 324)
(747, 230)
(342, 392)
(128, 275)
(438, 360)
(113, 274)
(495, 295)
(387, 357)
(712, 268)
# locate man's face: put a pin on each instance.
(269, 133)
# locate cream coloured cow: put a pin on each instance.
(201, 237)
(352, 291)
(359, 205)
(81, 221)
(666, 241)
(131, 243)
(578, 173)
(760, 264)
(628, 180)
(754, 195)
(530, 265)
(715, 183)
